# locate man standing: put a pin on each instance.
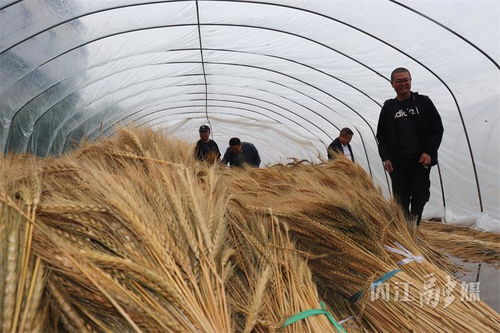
(239, 153)
(341, 144)
(409, 133)
(206, 149)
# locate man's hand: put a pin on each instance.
(425, 159)
(388, 166)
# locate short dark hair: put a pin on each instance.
(346, 131)
(204, 128)
(399, 70)
(234, 142)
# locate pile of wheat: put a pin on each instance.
(335, 213)
(102, 241)
(133, 234)
(463, 242)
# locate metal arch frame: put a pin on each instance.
(330, 18)
(164, 121)
(175, 114)
(318, 114)
(213, 105)
(449, 30)
(278, 106)
(81, 123)
(232, 25)
(353, 87)
(10, 4)
(86, 83)
(274, 104)
(223, 50)
(131, 114)
(219, 106)
(360, 133)
(252, 53)
(316, 42)
(265, 91)
(303, 82)
(220, 50)
(92, 134)
(200, 106)
(121, 89)
(201, 112)
(283, 74)
(247, 26)
(241, 96)
(257, 3)
(241, 108)
(362, 141)
(203, 66)
(44, 113)
(147, 3)
(355, 127)
(447, 88)
(215, 112)
(314, 112)
(366, 154)
(73, 92)
(192, 49)
(265, 101)
(407, 55)
(249, 135)
(297, 63)
(307, 84)
(17, 113)
(261, 90)
(14, 116)
(341, 22)
(205, 24)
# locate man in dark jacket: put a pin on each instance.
(206, 149)
(342, 144)
(239, 153)
(409, 133)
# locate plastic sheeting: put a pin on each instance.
(285, 75)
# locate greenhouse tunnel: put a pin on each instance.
(284, 75)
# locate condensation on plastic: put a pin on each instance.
(285, 75)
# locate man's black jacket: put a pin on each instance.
(203, 150)
(336, 146)
(249, 155)
(429, 128)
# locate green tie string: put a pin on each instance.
(314, 312)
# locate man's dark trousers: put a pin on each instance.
(410, 185)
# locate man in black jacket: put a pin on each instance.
(206, 149)
(342, 144)
(409, 133)
(239, 153)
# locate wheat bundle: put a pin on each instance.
(156, 253)
(132, 242)
(334, 211)
(271, 273)
(23, 274)
(124, 251)
(133, 234)
(255, 308)
(463, 242)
